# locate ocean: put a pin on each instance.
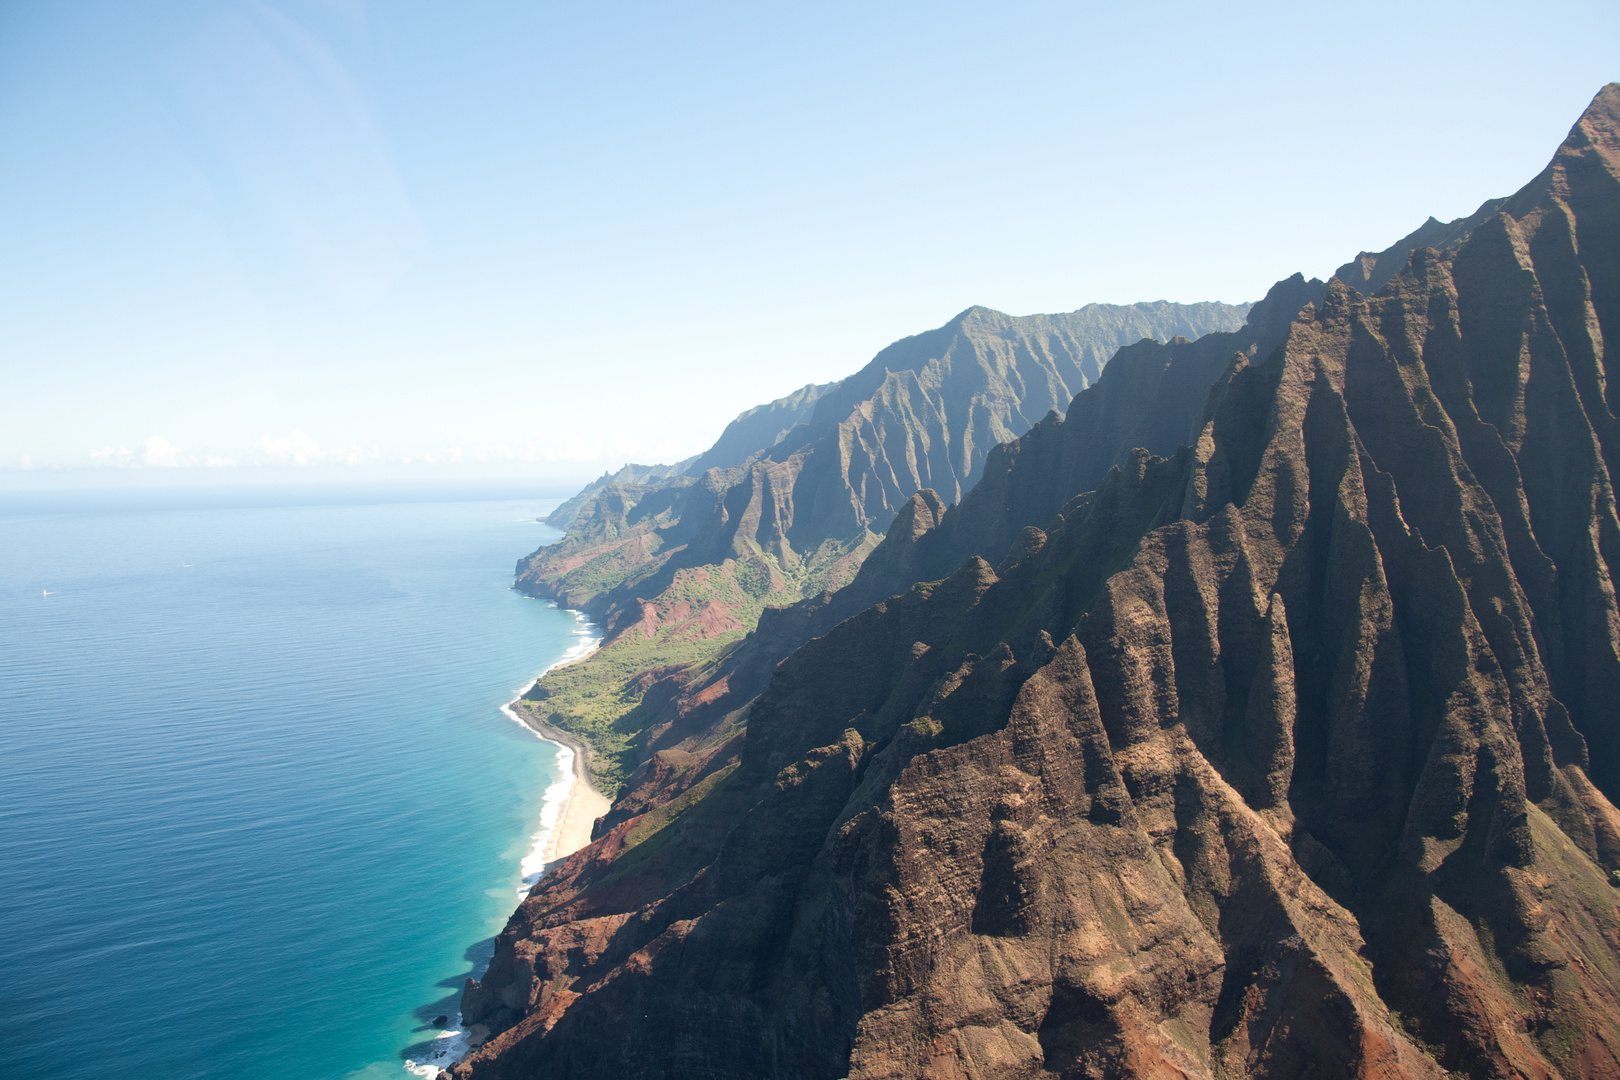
(260, 810)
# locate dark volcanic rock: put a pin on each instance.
(1290, 753)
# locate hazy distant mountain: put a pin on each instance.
(755, 430)
(795, 493)
(759, 429)
(1289, 752)
(841, 458)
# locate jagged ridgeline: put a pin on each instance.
(1290, 752)
(678, 561)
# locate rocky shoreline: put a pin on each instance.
(576, 819)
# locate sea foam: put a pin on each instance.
(450, 1045)
(587, 636)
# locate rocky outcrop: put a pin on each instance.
(623, 488)
(1291, 753)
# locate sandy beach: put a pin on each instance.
(577, 815)
(584, 805)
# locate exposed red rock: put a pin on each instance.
(1292, 753)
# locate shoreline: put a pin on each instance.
(577, 806)
(580, 806)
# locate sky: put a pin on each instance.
(335, 238)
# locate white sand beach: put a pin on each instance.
(582, 804)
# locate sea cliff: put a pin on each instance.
(678, 563)
(1290, 750)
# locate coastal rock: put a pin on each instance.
(1291, 752)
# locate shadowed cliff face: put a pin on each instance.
(1292, 753)
(1151, 395)
(832, 463)
(677, 563)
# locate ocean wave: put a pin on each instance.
(450, 1045)
(552, 804)
(555, 799)
(447, 1047)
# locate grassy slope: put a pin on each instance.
(703, 612)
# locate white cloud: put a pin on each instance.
(152, 452)
(299, 449)
(357, 455)
(295, 447)
(158, 452)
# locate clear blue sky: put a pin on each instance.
(557, 237)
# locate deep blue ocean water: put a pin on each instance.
(259, 809)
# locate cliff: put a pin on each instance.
(829, 463)
(1290, 753)
(1151, 395)
(678, 563)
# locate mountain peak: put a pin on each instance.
(1597, 131)
(1600, 123)
(978, 313)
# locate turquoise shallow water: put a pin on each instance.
(259, 809)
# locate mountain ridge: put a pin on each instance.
(1291, 752)
(671, 560)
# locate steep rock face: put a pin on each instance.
(759, 428)
(926, 411)
(668, 562)
(1370, 271)
(1152, 395)
(923, 413)
(1291, 754)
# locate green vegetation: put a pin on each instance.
(593, 698)
(658, 819)
(702, 612)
